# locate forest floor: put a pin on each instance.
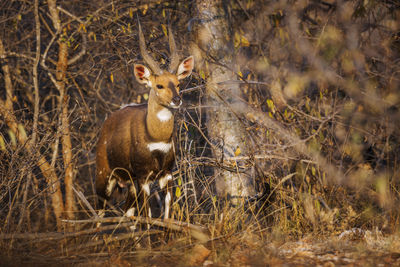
(354, 247)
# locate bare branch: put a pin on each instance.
(81, 53)
(195, 230)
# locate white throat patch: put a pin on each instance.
(161, 146)
(164, 115)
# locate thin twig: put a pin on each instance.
(194, 230)
(84, 200)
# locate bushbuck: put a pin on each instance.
(135, 147)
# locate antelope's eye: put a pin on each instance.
(159, 86)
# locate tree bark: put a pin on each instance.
(224, 128)
(61, 71)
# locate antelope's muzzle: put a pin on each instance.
(176, 101)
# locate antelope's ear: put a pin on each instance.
(185, 68)
(142, 73)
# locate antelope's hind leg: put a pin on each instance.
(131, 202)
(104, 193)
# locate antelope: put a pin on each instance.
(135, 146)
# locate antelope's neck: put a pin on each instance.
(159, 121)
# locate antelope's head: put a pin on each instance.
(163, 84)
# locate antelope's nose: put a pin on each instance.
(177, 100)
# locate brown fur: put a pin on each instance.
(117, 152)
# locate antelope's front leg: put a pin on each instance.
(104, 195)
(146, 207)
(145, 198)
(166, 185)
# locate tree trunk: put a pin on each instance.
(61, 71)
(224, 128)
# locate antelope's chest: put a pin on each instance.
(161, 153)
(154, 156)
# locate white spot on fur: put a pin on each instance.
(161, 146)
(130, 212)
(167, 202)
(173, 105)
(163, 181)
(110, 186)
(146, 189)
(164, 115)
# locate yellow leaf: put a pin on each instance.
(178, 192)
(244, 41)
(82, 27)
(237, 152)
(271, 105)
(236, 40)
(145, 8)
(163, 13)
(21, 131)
(130, 13)
(179, 182)
(2, 144)
(145, 96)
(112, 78)
(202, 75)
(164, 29)
(184, 124)
(123, 29)
(240, 40)
(13, 139)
